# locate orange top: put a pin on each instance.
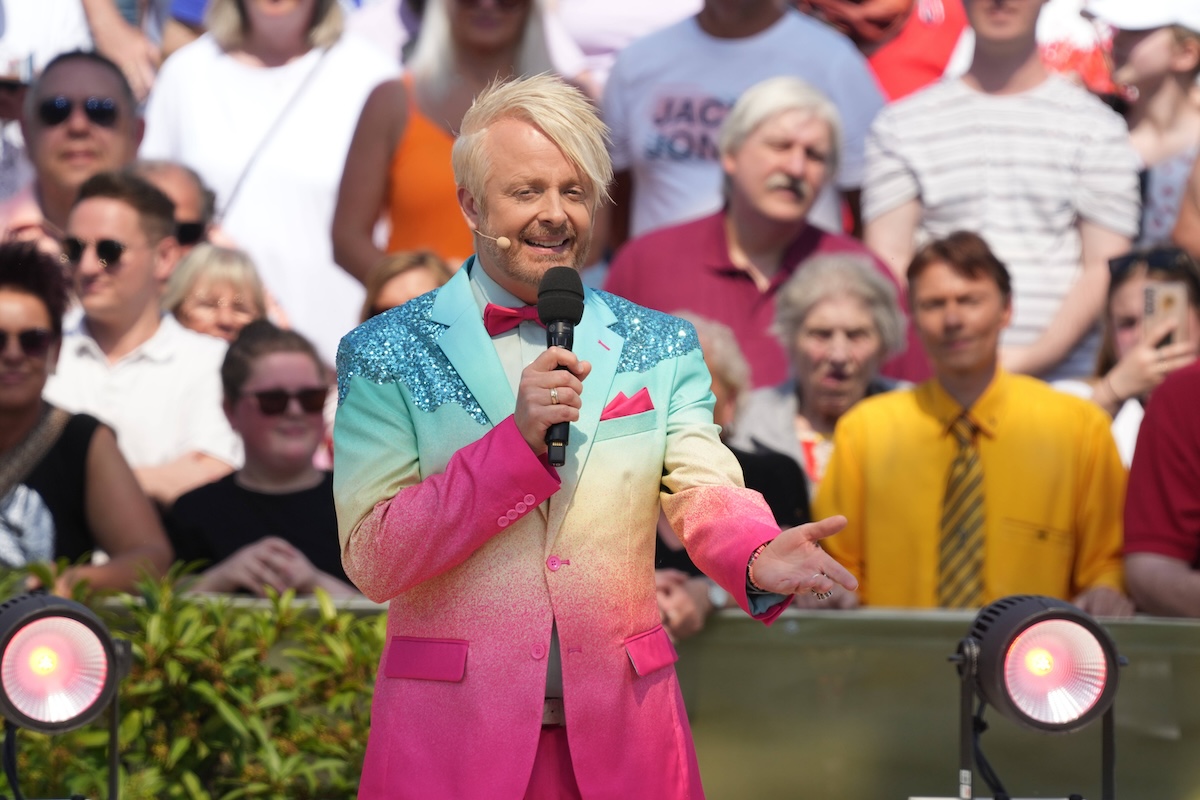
(422, 198)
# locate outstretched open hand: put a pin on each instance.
(793, 562)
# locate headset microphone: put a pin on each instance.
(503, 242)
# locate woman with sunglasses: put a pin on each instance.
(65, 489)
(399, 160)
(1133, 358)
(271, 523)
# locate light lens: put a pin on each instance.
(54, 669)
(1055, 671)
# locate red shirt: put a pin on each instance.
(687, 268)
(1162, 501)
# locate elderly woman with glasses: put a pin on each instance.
(65, 490)
(839, 320)
(271, 523)
(263, 107)
(1137, 352)
(215, 290)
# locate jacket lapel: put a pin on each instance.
(469, 348)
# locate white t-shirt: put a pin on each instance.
(1020, 170)
(603, 28)
(211, 112)
(670, 91)
(163, 400)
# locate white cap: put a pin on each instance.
(1144, 15)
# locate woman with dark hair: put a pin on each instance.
(271, 523)
(65, 489)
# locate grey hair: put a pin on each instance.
(432, 58)
(721, 352)
(824, 276)
(218, 264)
(771, 97)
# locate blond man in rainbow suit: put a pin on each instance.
(525, 655)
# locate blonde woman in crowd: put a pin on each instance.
(215, 290)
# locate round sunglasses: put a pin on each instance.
(273, 402)
(100, 111)
(34, 342)
(108, 251)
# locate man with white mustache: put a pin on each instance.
(779, 145)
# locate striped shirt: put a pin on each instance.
(1021, 170)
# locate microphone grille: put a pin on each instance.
(560, 296)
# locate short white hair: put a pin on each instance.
(772, 97)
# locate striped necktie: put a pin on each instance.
(961, 556)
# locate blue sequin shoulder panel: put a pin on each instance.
(651, 337)
(400, 346)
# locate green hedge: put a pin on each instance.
(225, 700)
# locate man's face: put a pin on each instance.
(67, 152)
(1003, 21)
(959, 320)
(121, 288)
(781, 166)
(538, 199)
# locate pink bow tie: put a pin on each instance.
(498, 319)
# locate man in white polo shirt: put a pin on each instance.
(154, 382)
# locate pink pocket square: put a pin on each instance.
(622, 406)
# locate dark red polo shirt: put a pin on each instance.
(687, 268)
(1162, 501)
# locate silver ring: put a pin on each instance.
(554, 395)
(822, 595)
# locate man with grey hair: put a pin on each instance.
(521, 595)
(779, 145)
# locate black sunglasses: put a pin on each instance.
(34, 342)
(101, 111)
(273, 402)
(189, 233)
(108, 251)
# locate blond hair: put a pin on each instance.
(398, 264)
(560, 111)
(214, 264)
(227, 22)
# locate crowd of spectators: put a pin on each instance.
(917, 239)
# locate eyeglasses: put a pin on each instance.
(101, 111)
(209, 304)
(189, 233)
(108, 251)
(506, 5)
(34, 342)
(273, 402)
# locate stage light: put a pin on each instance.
(59, 669)
(1042, 663)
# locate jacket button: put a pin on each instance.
(521, 508)
(512, 514)
(538, 651)
(530, 499)
(553, 563)
(502, 522)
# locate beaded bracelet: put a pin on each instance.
(750, 568)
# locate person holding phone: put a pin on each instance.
(1151, 329)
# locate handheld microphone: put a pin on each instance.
(560, 307)
(503, 242)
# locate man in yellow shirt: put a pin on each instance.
(976, 484)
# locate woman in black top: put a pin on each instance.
(65, 489)
(271, 523)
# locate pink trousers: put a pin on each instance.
(553, 776)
